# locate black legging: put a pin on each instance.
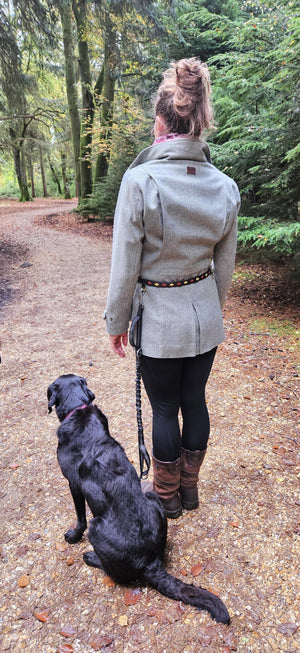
(172, 384)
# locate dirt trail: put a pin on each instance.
(241, 543)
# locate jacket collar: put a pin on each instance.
(191, 149)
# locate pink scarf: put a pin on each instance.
(169, 137)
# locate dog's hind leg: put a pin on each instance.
(73, 535)
(91, 559)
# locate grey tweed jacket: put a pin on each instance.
(176, 215)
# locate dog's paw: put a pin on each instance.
(72, 535)
(91, 559)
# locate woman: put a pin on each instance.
(175, 220)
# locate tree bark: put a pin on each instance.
(30, 166)
(80, 13)
(54, 175)
(65, 10)
(66, 184)
(24, 191)
(108, 91)
(45, 192)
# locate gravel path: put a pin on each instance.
(241, 543)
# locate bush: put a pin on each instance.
(278, 239)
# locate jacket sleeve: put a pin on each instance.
(128, 237)
(225, 249)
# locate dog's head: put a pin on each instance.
(67, 393)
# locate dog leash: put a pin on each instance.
(135, 339)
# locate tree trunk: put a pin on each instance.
(65, 177)
(79, 9)
(24, 191)
(31, 176)
(45, 192)
(65, 10)
(54, 175)
(108, 91)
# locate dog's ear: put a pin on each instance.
(52, 396)
(86, 390)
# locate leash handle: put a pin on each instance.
(144, 460)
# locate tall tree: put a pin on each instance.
(66, 15)
(19, 23)
(105, 91)
(88, 107)
(256, 93)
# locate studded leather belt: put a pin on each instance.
(175, 284)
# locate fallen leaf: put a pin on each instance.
(70, 560)
(230, 640)
(22, 550)
(65, 648)
(123, 621)
(288, 629)
(234, 524)
(23, 581)
(34, 536)
(109, 582)
(131, 597)
(13, 466)
(196, 570)
(183, 572)
(100, 641)
(42, 615)
(68, 631)
(60, 546)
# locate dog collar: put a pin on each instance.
(74, 411)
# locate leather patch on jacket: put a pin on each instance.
(190, 170)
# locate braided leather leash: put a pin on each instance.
(135, 337)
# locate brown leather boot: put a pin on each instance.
(166, 484)
(191, 462)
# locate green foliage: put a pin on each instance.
(130, 133)
(252, 48)
(256, 97)
(278, 239)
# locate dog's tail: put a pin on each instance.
(158, 578)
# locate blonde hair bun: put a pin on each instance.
(183, 97)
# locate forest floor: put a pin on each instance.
(242, 543)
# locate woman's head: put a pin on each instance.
(183, 98)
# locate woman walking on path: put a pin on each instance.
(174, 238)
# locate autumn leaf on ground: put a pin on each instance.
(109, 582)
(183, 572)
(123, 620)
(61, 546)
(68, 631)
(23, 581)
(65, 648)
(196, 570)
(42, 615)
(22, 550)
(70, 560)
(98, 642)
(131, 597)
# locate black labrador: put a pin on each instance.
(129, 529)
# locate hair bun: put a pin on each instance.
(183, 97)
(190, 74)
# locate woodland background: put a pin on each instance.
(77, 84)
